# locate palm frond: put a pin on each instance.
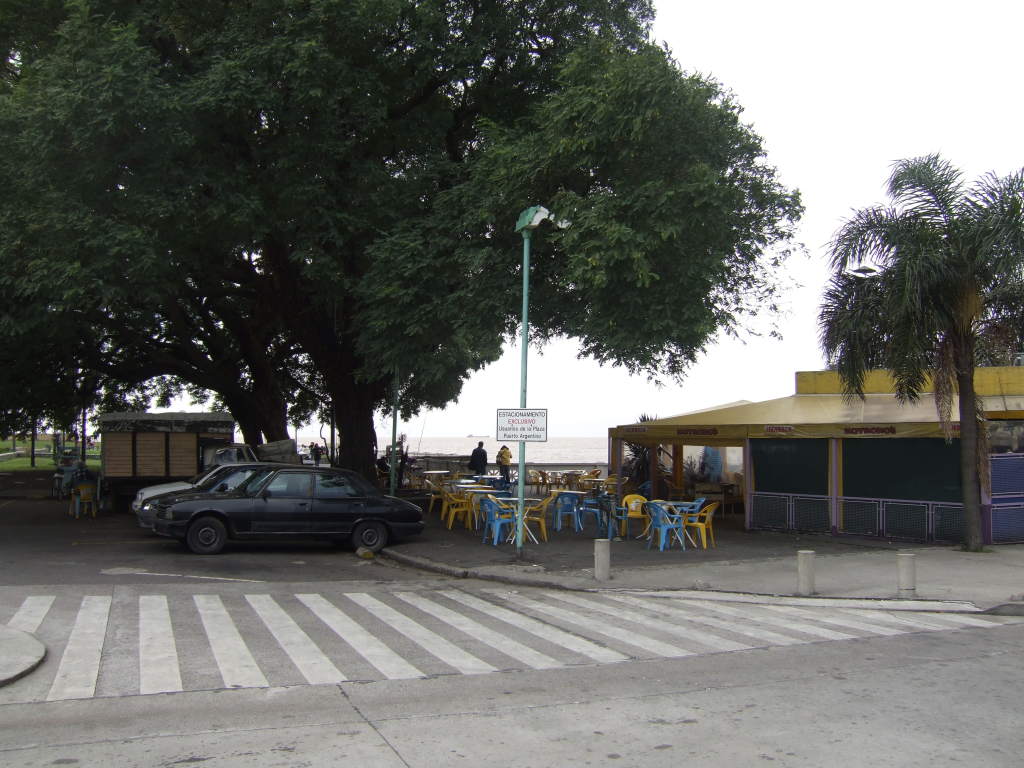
(928, 187)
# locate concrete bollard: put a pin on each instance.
(805, 572)
(907, 574)
(602, 559)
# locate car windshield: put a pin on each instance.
(231, 478)
(209, 479)
(203, 476)
(253, 482)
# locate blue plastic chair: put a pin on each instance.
(495, 519)
(592, 506)
(665, 525)
(567, 505)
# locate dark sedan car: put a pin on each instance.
(286, 502)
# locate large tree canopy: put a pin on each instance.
(936, 266)
(298, 191)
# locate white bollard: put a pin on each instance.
(602, 559)
(907, 574)
(805, 571)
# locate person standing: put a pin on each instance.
(504, 459)
(315, 451)
(478, 459)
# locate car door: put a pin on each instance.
(283, 505)
(337, 503)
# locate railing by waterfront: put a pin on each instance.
(906, 519)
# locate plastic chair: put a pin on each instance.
(538, 513)
(456, 506)
(567, 504)
(496, 517)
(666, 525)
(702, 522)
(83, 498)
(634, 506)
(436, 494)
(592, 506)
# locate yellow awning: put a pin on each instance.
(810, 415)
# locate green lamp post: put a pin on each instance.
(529, 220)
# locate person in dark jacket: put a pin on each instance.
(478, 460)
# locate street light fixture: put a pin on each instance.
(528, 221)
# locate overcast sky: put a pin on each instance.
(838, 91)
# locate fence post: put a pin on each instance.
(602, 559)
(805, 571)
(907, 585)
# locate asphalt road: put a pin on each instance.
(939, 698)
(503, 676)
(40, 544)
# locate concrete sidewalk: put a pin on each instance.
(754, 563)
(20, 653)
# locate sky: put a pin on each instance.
(838, 92)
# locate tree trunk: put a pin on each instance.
(272, 412)
(355, 424)
(970, 487)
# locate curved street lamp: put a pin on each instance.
(528, 221)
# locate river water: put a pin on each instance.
(557, 450)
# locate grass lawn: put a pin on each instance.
(42, 463)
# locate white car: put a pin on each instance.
(178, 485)
(223, 477)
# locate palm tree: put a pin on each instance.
(914, 288)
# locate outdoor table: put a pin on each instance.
(526, 528)
(479, 491)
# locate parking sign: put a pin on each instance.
(522, 425)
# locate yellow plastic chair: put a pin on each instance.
(702, 522)
(538, 513)
(83, 499)
(634, 504)
(457, 506)
(436, 494)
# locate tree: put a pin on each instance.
(353, 171)
(935, 262)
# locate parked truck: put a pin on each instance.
(140, 449)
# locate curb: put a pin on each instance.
(720, 595)
(1006, 609)
(471, 573)
(20, 653)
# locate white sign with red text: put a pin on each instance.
(522, 425)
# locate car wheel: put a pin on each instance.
(373, 536)
(206, 536)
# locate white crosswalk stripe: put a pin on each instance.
(385, 660)
(448, 652)
(496, 640)
(712, 642)
(158, 654)
(237, 666)
(766, 636)
(552, 634)
(193, 642)
(80, 664)
(304, 653)
(601, 627)
(31, 613)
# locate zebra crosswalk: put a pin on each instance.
(129, 643)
